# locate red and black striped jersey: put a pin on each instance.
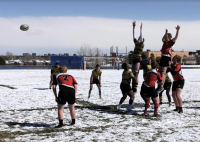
(65, 79)
(151, 78)
(176, 72)
(167, 48)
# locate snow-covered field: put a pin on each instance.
(28, 111)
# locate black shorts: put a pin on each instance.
(125, 88)
(135, 61)
(151, 92)
(54, 80)
(66, 94)
(95, 81)
(178, 84)
(167, 86)
(143, 88)
(164, 61)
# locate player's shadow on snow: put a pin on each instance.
(41, 88)
(25, 124)
(113, 110)
(192, 108)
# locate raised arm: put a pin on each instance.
(177, 32)
(165, 37)
(134, 24)
(141, 33)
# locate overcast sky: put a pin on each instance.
(64, 26)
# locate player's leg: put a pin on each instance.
(175, 100)
(71, 103)
(164, 64)
(54, 85)
(147, 99)
(179, 99)
(89, 94)
(51, 81)
(169, 97)
(174, 86)
(122, 100)
(162, 71)
(54, 89)
(72, 113)
(156, 100)
(147, 103)
(99, 88)
(178, 93)
(160, 98)
(135, 69)
(142, 92)
(167, 87)
(163, 74)
(60, 115)
(131, 100)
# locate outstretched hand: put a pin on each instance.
(166, 31)
(134, 23)
(141, 26)
(178, 27)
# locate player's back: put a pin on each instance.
(66, 80)
(152, 77)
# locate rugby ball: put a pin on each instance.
(24, 27)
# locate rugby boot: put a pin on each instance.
(118, 107)
(180, 110)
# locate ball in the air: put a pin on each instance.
(24, 27)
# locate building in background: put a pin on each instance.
(186, 57)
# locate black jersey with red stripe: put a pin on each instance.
(152, 77)
(167, 48)
(176, 72)
(65, 79)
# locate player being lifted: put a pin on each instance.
(139, 45)
(150, 91)
(95, 79)
(67, 92)
(125, 87)
(178, 82)
(166, 50)
(167, 87)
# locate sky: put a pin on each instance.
(63, 26)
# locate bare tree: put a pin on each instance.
(87, 50)
(26, 58)
(9, 56)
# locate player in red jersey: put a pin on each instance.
(146, 67)
(151, 78)
(166, 50)
(178, 82)
(67, 91)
